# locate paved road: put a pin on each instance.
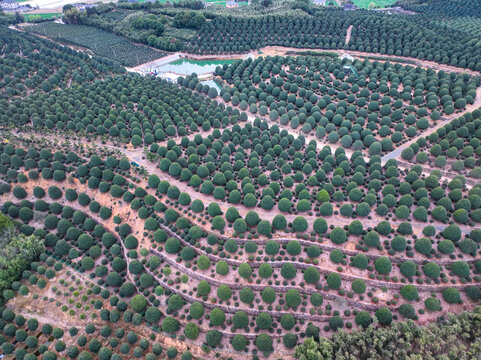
(446, 120)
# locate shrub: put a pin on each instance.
(446, 247)
(288, 271)
(311, 275)
(451, 295)
(423, 246)
(264, 321)
(240, 226)
(363, 319)
(288, 321)
(467, 246)
(473, 292)
(264, 227)
(218, 223)
(399, 243)
(452, 232)
(384, 316)
(279, 222)
(264, 342)
(217, 317)
(408, 268)
(232, 214)
(336, 256)
(191, 331)
(355, 228)
(175, 302)
(240, 320)
(293, 247)
(239, 342)
(222, 268)
(432, 304)
(383, 228)
(203, 262)
(383, 265)
(320, 226)
(203, 288)
(213, 338)
(196, 310)
(289, 340)
(409, 292)
(407, 311)
(265, 271)
(439, 213)
(402, 212)
(138, 303)
(299, 224)
(19, 192)
(268, 295)
(293, 298)
(172, 245)
(360, 261)
(460, 268)
(338, 236)
(372, 239)
(152, 315)
(431, 270)
(245, 270)
(358, 286)
(170, 325)
(334, 281)
(335, 322)
(272, 247)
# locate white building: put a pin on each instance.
(231, 4)
(9, 5)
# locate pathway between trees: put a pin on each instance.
(469, 108)
(348, 34)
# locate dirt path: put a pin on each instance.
(282, 50)
(348, 34)
(137, 156)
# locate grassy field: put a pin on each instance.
(363, 4)
(29, 17)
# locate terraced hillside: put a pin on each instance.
(315, 205)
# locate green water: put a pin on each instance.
(187, 66)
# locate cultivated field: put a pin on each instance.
(323, 202)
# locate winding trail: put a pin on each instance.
(137, 155)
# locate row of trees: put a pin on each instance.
(145, 110)
(35, 63)
(371, 32)
(455, 146)
(358, 110)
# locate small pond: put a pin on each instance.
(187, 66)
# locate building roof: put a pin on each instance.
(349, 6)
(231, 3)
(9, 5)
(86, 6)
(319, 1)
